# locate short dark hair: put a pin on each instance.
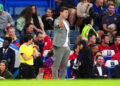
(9, 39)
(92, 45)
(50, 53)
(87, 20)
(97, 52)
(63, 8)
(90, 36)
(116, 38)
(98, 56)
(39, 33)
(111, 5)
(27, 37)
(103, 36)
(52, 10)
(26, 26)
(75, 47)
(111, 0)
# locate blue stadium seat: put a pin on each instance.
(17, 33)
(74, 33)
(2, 34)
(71, 46)
(107, 58)
(22, 3)
(72, 40)
(52, 34)
(111, 70)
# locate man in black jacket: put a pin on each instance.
(8, 54)
(100, 71)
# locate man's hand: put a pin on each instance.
(105, 76)
(61, 24)
(8, 25)
(2, 77)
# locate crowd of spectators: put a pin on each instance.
(98, 23)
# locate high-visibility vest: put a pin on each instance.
(86, 30)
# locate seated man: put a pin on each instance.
(111, 2)
(11, 33)
(5, 19)
(8, 54)
(116, 45)
(91, 40)
(116, 56)
(43, 41)
(100, 71)
(104, 43)
(111, 21)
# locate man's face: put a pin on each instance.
(95, 49)
(101, 3)
(30, 29)
(11, 33)
(40, 38)
(100, 61)
(93, 39)
(5, 44)
(111, 9)
(106, 40)
(49, 13)
(64, 14)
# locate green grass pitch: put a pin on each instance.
(82, 82)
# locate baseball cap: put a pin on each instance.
(1, 7)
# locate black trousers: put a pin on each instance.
(27, 71)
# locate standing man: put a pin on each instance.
(61, 42)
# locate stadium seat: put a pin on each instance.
(111, 63)
(22, 3)
(107, 58)
(52, 34)
(74, 33)
(71, 46)
(72, 40)
(111, 70)
(2, 34)
(17, 33)
(108, 53)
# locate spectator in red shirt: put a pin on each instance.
(104, 43)
(116, 45)
(91, 39)
(43, 41)
(75, 54)
(73, 57)
(116, 56)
